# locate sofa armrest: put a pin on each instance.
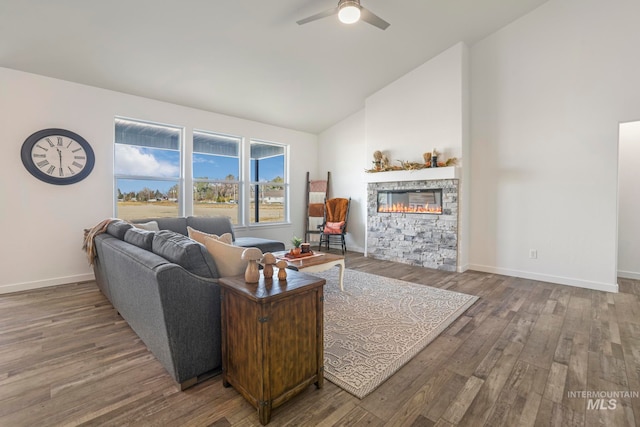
(191, 309)
(265, 245)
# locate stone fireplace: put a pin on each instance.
(422, 231)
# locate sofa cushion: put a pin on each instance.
(118, 228)
(139, 237)
(187, 253)
(228, 258)
(151, 225)
(218, 225)
(199, 236)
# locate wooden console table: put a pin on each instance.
(272, 338)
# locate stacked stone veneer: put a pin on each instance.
(426, 240)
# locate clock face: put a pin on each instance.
(57, 156)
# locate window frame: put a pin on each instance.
(239, 182)
(178, 180)
(254, 185)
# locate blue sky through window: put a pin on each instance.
(145, 161)
(270, 168)
(210, 166)
(131, 160)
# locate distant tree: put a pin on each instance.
(202, 191)
(173, 192)
(276, 180)
(229, 190)
(145, 194)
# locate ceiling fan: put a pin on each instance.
(349, 12)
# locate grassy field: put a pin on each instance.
(137, 210)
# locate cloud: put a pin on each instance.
(139, 161)
(201, 158)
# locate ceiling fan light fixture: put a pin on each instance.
(349, 12)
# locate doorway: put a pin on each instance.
(629, 200)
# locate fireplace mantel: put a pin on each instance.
(448, 172)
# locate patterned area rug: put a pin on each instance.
(378, 324)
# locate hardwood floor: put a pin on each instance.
(521, 356)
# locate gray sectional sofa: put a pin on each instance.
(165, 286)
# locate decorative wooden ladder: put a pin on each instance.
(317, 193)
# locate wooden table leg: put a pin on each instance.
(341, 280)
(264, 412)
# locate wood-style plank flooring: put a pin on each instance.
(520, 356)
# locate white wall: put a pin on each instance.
(42, 224)
(342, 152)
(419, 112)
(629, 201)
(548, 92)
(425, 109)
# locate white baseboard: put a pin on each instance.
(598, 286)
(356, 249)
(26, 286)
(629, 275)
(463, 268)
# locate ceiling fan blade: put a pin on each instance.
(317, 16)
(367, 16)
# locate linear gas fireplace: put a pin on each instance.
(428, 200)
(428, 240)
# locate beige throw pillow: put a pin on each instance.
(199, 236)
(150, 226)
(228, 258)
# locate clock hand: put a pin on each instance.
(60, 156)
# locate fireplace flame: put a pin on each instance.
(402, 208)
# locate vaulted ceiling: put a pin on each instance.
(245, 58)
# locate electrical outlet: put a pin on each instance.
(533, 254)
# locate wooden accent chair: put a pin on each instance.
(334, 225)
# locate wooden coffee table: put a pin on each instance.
(319, 261)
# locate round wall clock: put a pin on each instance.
(57, 156)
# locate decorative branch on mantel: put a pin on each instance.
(381, 162)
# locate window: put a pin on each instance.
(269, 186)
(216, 175)
(150, 181)
(147, 169)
